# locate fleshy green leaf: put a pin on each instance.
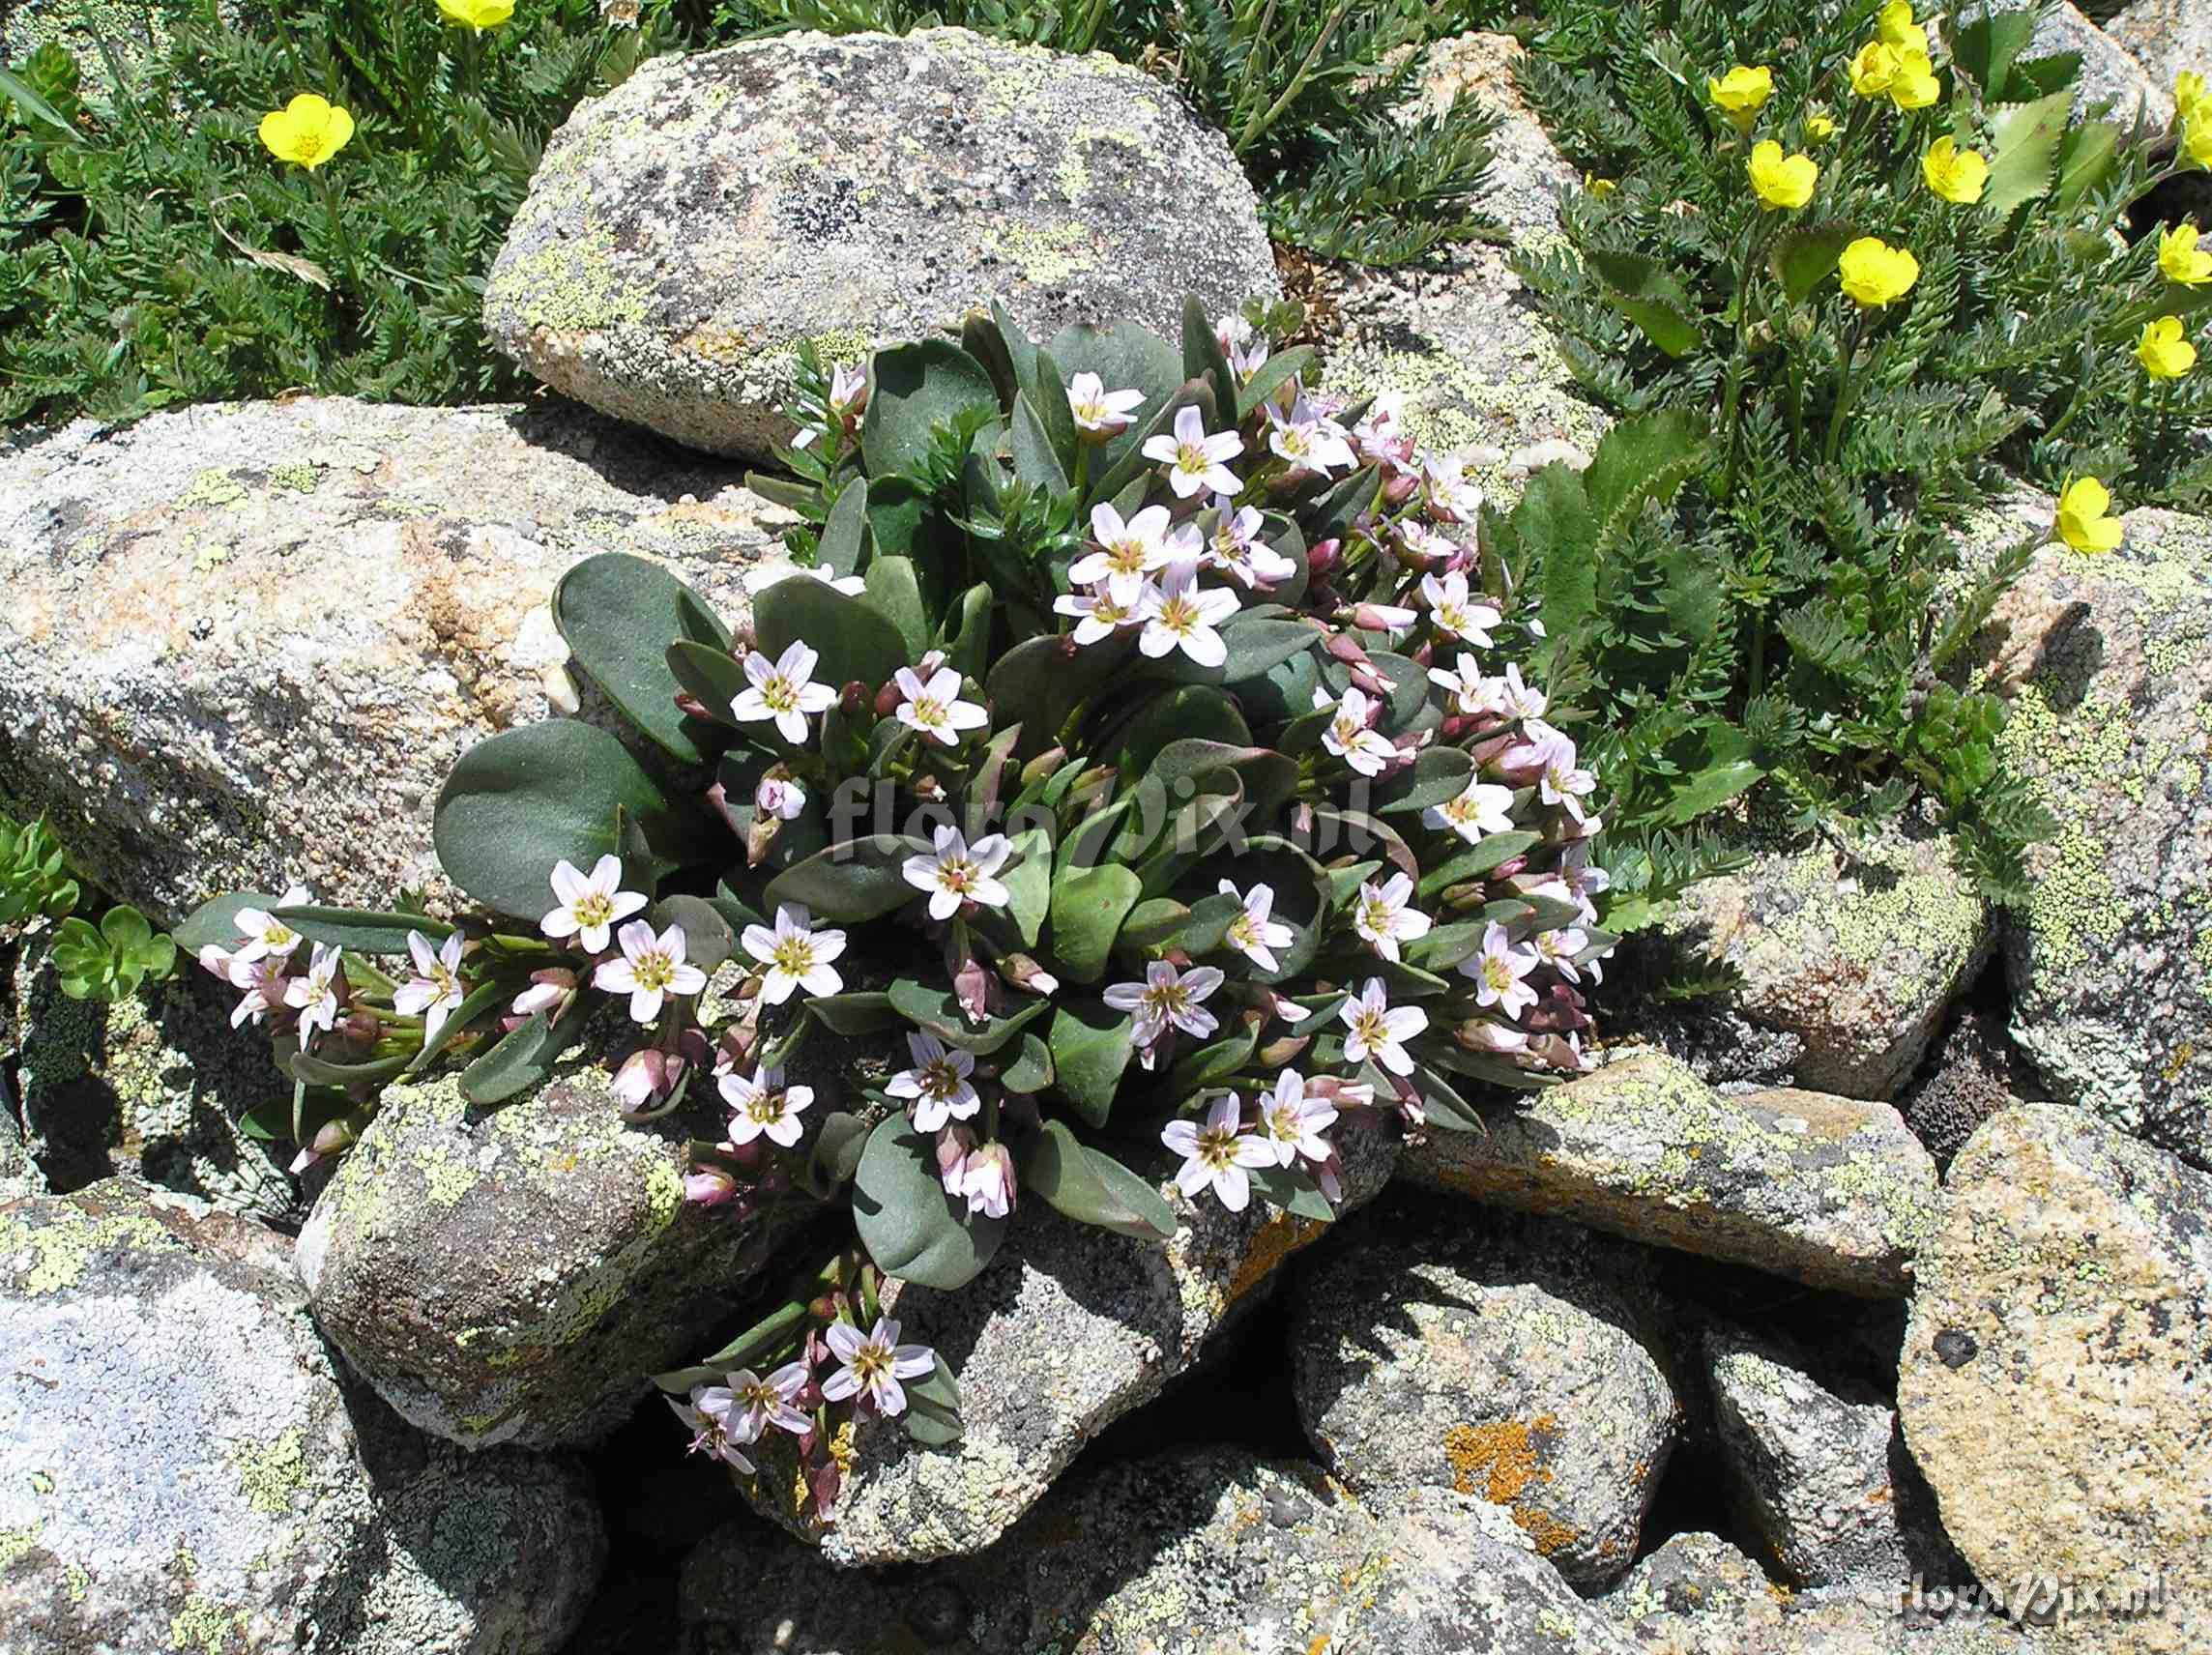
(905, 1219)
(215, 923)
(524, 1058)
(1091, 1046)
(618, 615)
(939, 1013)
(1087, 907)
(364, 931)
(854, 640)
(913, 388)
(1092, 1187)
(858, 880)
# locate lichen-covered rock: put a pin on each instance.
(2165, 37)
(2109, 663)
(2051, 1387)
(516, 1274)
(1455, 335)
(1695, 1595)
(1820, 1474)
(243, 644)
(1497, 1356)
(1069, 1329)
(688, 231)
(1829, 1190)
(181, 1470)
(1212, 1553)
(2108, 72)
(153, 1084)
(1860, 959)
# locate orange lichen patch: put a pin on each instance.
(1318, 1645)
(1503, 1454)
(1550, 1534)
(1276, 1240)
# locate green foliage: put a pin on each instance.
(1793, 618)
(154, 253)
(35, 881)
(1303, 91)
(109, 960)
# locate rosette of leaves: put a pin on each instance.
(110, 960)
(35, 881)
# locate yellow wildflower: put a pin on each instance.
(2196, 140)
(2191, 95)
(1874, 69)
(1896, 28)
(477, 15)
(1876, 274)
(1600, 187)
(1781, 181)
(2180, 259)
(1741, 92)
(1954, 174)
(308, 130)
(2163, 350)
(2081, 520)
(1914, 86)
(1818, 129)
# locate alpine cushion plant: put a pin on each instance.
(1157, 793)
(1882, 248)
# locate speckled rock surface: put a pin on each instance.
(1859, 960)
(179, 1468)
(2165, 37)
(1695, 1595)
(1068, 1329)
(515, 1275)
(1820, 1474)
(688, 231)
(245, 643)
(2107, 70)
(1971, 1072)
(2051, 1387)
(1455, 335)
(1201, 1554)
(1828, 1190)
(153, 1084)
(1495, 1354)
(2108, 661)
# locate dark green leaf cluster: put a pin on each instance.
(110, 960)
(153, 254)
(35, 880)
(1798, 613)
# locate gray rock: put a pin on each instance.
(1497, 1356)
(1212, 1553)
(1971, 1073)
(515, 1275)
(2109, 663)
(1820, 1474)
(689, 230)
(153, 1084)
(2109, 74)
(1837, 1622)
(1455, 337)
(181, 1470)
(1695, 1595)
(243, 644)
(1828, 1190)
(1859, 960)
(2050, 1387)
(2165, 37)
(1068, 1329)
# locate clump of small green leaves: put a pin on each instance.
(1136, 747)
(109, 960)
(154, 253)
(1304, 93)
(35, 881)
(1773, 244)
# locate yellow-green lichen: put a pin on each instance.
(17, 1544)
(61, 1247)
(1045, 257)
(206, 1627)
(300, 476)
(79, 1580)
(270, 1475)
(572, 286)
(213, 485)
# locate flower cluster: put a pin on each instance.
(1176, 782)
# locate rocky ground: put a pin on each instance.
(1882, 1274)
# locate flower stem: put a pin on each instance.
(1844, 391)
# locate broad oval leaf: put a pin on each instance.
(853, 639)
(1091, 1046)
(1093, 1188)
(363, 930)
(913, 388)
(860, 878)
(617, 614)
(907, 1222)
(524, 1058)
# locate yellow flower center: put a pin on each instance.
(593, 909)
(1370, 1027)
(795, 955)
(653, 970)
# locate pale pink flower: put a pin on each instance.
(873, 1365)
(758, 1403)
(436, 992)
(783, 690)
(797, 955)
(1482, 808)
(1451, 612)
(1100, 413)
(1235, 547)
(1252, 933)
(987, 1181)
(1126, 552)
(1306, 441)
(779, 798)
(762, 1106)
(262, 984)
(1348, 735)
(939, 1083)
(933, 708)
(1497, 971)
(707, 1417)
(1217, 1154)
(1377, 1030)
(1445, 492)
(957, 872)
(549, 991)
(591, 907)
(1166, 999)
(1559, 949)
(263, 933)
(1177, 616)
(1384, 919)
(315, 995)
(649, 970)
(1099, 616)
(1292, 1120)
(1196, 463)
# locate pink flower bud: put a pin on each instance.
(1323, 558)
(1399, 487)
(549, 991)
(709, 1186)
(987, 1180)
(1026, 974)
(953, 1143)
(638, 1083)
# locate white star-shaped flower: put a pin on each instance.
(1481, 809)
(1197, 463)
(1348, 735)
(783, 690)
(762, 1106)
(436, 992)
(1497, 971)
(1217, 1154)
(649, 970)
(1099, 616)
(939, 1085)
(1452, 614)
(933, 708)
(589, 907)
(1292, 1122)
(1384, 921)
(1126, 552)
(957, 872)
(797, 955)
(1377, 1030)
(1252, 933)
(1167, 998)
(1100, 413)
(1177, 616)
